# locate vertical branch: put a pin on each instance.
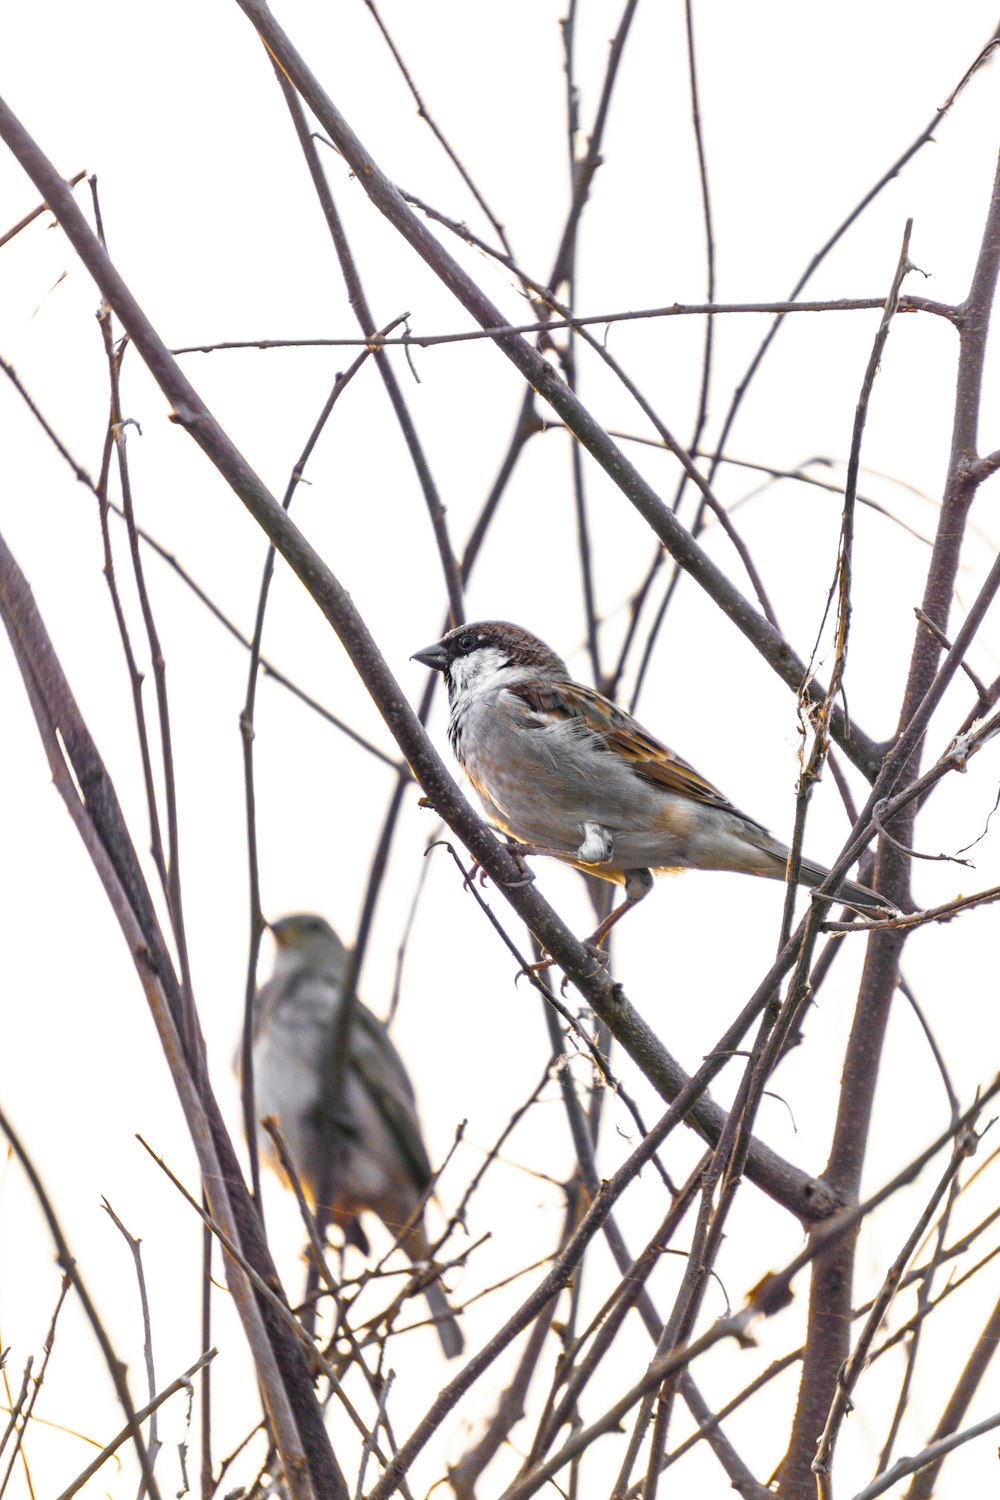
(701, 415)
(705, 382)
(830, 1295)
(135, 1250)
(205, 1474)
(135, 676)
(172, 887)
(26, 1409)
(925, 1481)
(257, 922)
(366, 322)
(567, 359)
(820, 715)
(588, 164)
(841, 1402)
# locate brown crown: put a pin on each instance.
(520, 646)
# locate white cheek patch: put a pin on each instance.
(476, 669)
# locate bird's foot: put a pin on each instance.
(600, 954)
(470, 879)
(527, 877)
(529, 970)
(601, 957)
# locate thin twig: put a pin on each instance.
(35, 212)
(532, 365)
(554, 325)
(931, 1455)
(66, 1259)
(135, 1250)
(182, 1383)
(26, 1408)
(732, 1327)
(439, 135)
(956, 1407)
(822, 1463)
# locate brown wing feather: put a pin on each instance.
(621, 735)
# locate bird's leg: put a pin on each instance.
(597, 848)
(638, 883)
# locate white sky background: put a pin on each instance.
(212, 221)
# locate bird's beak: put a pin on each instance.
(435, 657)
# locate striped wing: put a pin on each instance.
(560, 702)
(379, 1067)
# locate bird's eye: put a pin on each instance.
(467, 642)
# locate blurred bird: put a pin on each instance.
(564, 771)
(383, 1167)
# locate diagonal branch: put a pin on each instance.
(796, 1190)
(541, 376)
(82, 780)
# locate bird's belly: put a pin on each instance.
(374, 1174)
(649, 828)
(371, 1173)
(550, 790)
(285, 1086)
(526, 799)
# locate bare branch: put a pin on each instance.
(135, 1249)
(931, 1455)
(24, 1408)
(116, 1367)
(35, 212)
(539, 374)
(575, 321)
(182, 1383)
(841, 1405)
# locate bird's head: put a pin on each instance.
(306, 939)
(470, 654)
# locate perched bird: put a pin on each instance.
(564, 771)
(383, 1167)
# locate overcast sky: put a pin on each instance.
(211, 219)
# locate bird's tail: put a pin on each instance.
(753, 851)
(851, 891)
(414, 1242)
(445, 1322)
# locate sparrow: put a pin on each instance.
(563, 771)
(384, 1168)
